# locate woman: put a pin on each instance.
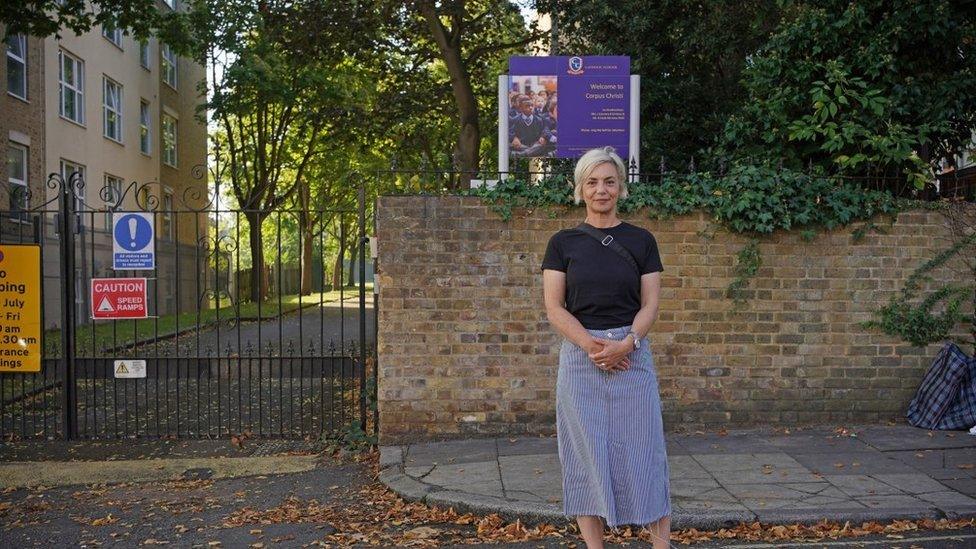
(608, 410)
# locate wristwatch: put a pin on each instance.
(636, 339)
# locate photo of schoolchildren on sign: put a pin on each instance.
(532, 116)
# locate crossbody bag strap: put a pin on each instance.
(608, 241)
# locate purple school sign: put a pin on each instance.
(577, 103)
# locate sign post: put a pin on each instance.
(118, 298)
(20, 308)
(133, 239)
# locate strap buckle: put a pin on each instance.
(607, 240)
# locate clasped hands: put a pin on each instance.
(610, 355)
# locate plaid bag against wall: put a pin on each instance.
(946, 399)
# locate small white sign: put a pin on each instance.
(130, 369)
(487, 183)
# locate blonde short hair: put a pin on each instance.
(589, 162)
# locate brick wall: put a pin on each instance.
(465, 348)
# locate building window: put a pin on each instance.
(17, 176)
(112, 33)
(169, 140)
(166, 215)
(143, 197)
(169, 65)
(71, 87)
(17, 65)
(72, 173)
(112, 194)
(112, 109)
(144, 54)
(145, 139)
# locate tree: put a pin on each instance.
(868, 88)
(276, 87)
(142, 18)
(689, 54)
(463, 40)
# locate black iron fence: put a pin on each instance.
(299, 362)
(432, 179)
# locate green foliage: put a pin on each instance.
(748, 199)
(352, 438)
(514, 192)
(913, 320)
(690, 55)
(747, 264)
(140, 18)
(871, 88)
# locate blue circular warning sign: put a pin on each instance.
(133, 232)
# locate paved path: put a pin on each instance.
(312, 329)
(868, 473)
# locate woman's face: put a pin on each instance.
(601, 189)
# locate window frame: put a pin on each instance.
(76, 88)
(22, 59)
(22, 182)
(145, 55)
(113, 34)
(166, 214)
(116, 110)
(81, 168)
(115, 183)
(169, 65)
(145, 127)
(165, 139)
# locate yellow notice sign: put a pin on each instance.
(20, 308)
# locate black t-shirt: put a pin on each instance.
(602, 288)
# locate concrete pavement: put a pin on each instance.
(717, 479)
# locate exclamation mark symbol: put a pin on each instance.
(132, 231)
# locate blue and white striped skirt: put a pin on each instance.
(611, 437)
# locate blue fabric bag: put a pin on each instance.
(946, 399)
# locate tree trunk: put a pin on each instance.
(469, 137)
(307, 237)
(352, 265)
(337, 270)
(259, 288)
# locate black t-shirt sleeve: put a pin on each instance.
(652, 258)
(554, 258)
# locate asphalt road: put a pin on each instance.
(310, 331)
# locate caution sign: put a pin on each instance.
(130, 369)
(20, 308)
(115, 298)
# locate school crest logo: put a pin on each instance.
(575, 65)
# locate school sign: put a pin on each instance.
(562, 106)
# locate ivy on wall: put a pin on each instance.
(757, 200)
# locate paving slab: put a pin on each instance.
(914, 483)
(819, 443)
(525, 446)
(685, 467)
(906, 437)
(963, 486)
(848, 463)
(862, 485)
(532, 474)
(717, 479)
(456, 451)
